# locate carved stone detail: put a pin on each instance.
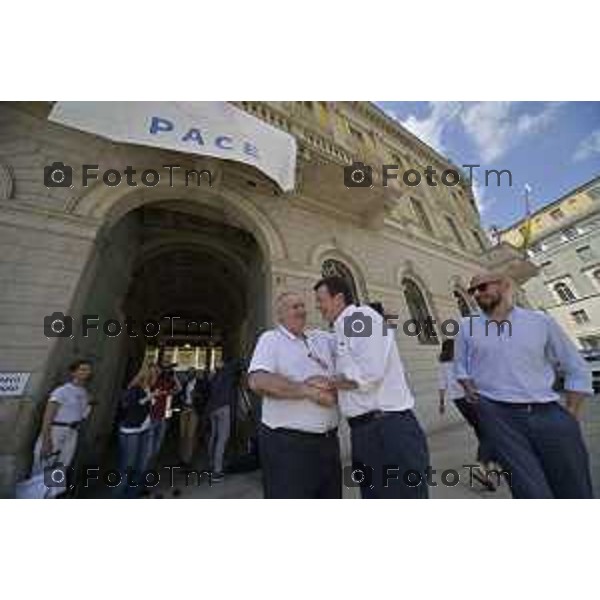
(7, 182)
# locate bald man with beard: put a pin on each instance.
(298, 441)
(507, 359)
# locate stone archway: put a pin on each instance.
(197, 254)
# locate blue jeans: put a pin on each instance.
(541, 446)
(157, 434)
(134, 455)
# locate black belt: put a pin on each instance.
(303, 434)
(72, 424)
(373, 415)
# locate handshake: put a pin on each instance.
(323, 390)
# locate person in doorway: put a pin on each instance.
(67, 409)
(450, 389)
(389, 448)
(188, 420)
(507, 364)
(222, 398)
(165, 388)
(135, 439)
(298, 440)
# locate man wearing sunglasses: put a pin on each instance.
(507, 359)
(298, 441)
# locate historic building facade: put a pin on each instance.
(219, 254)
(563, 240)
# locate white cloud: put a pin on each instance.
(588, 146)
(492, 126)
(431, 128)
(494, 129)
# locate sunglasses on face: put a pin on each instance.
(482, 287)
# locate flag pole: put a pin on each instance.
(527, 189)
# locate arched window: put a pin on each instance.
(463, 305)
(419, 312)
(335, 268)
(564, 292)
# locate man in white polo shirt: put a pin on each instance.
(389, 449)
(298, 439)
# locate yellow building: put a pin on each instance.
(563, 240)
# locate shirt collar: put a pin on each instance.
(350, 308)
(285, 331)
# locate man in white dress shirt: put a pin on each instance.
(298, 441)
(389, 449)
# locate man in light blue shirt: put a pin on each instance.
(507, 359)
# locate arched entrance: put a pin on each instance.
(200, 275)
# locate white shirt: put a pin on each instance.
(447, 381)
(372, 362)
(190, 386)
(280, 352)
(73, 403)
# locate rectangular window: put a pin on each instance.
(580, 317)
(455, 232)
(421, 215)
(570, 233)
(557, 214)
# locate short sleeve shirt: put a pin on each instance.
(73, 403)
(281, 352)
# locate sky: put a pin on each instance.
(553, 147)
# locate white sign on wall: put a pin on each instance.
(13, 384)
(208, 128)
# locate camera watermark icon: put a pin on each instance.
(60, 175)
(358, 325)
(60, 325)
(360, 175)
(59, 476)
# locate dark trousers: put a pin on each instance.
(541, 446)
(470, 413)
(391, 451)
(300, 465)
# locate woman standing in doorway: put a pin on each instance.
(135, 439)
(165, 388)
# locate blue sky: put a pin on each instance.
(552, 146)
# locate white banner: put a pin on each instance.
(209, 128)
(13, 384)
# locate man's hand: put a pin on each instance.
(471, 392)
(574, 403)
(321, 382)
(322, 397)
